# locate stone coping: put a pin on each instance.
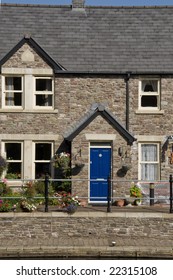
(86, 252)
(88, 215)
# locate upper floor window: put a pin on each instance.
(43, 92)
(13, 91)
(149, 94)
(27, 92)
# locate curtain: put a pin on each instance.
(149, 85)
(9, 97)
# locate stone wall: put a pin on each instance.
(74, 96)
(92, 225)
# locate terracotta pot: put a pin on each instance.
(120, 203)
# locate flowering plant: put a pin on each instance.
(4, 189)
(3, 165)
(68, 201)
(62, 160)
(5, 206)
(27, 206)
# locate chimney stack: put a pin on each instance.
(78, 4)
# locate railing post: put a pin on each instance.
(109, 195)
(170, 183)
(46, 182)
(151, 194)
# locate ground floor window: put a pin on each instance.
(149, 161)
(28, 159)
(43, 153)
(14, 156)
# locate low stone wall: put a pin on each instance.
(86, 235)
(97, 225)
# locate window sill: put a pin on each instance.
(150, 112)
(33, 111)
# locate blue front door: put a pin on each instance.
(100, 168)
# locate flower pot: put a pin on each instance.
(71, 208)
(120, 203)
(137, 202)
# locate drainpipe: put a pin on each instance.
(127, 100)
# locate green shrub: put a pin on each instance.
(4, 188)
(12, 176)
(5, 206)
(29, 190)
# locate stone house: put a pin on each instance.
(93, 81)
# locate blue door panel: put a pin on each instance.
(98, 191)
(100, 167)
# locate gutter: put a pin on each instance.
(135, 73)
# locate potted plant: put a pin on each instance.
(68, 201)
(136, 192)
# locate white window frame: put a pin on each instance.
(51, 93)
(4, 91)
(41, 161)
(9, 160)
(154, 93)
(148, 162)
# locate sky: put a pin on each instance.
(96, 2)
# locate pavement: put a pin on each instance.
(121, 247)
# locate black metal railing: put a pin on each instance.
(153, 191)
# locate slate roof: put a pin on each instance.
(95, 110)
(104, 39)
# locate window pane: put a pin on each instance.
(43, 84)
(149, 152)
(13, 99)
(43, 151)
(150, 86)
(15, 168)
(41, 169)
(43, 100)
(149, 101)
(149, 171)
(13, 151)
(13, 83)
(9, 99)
